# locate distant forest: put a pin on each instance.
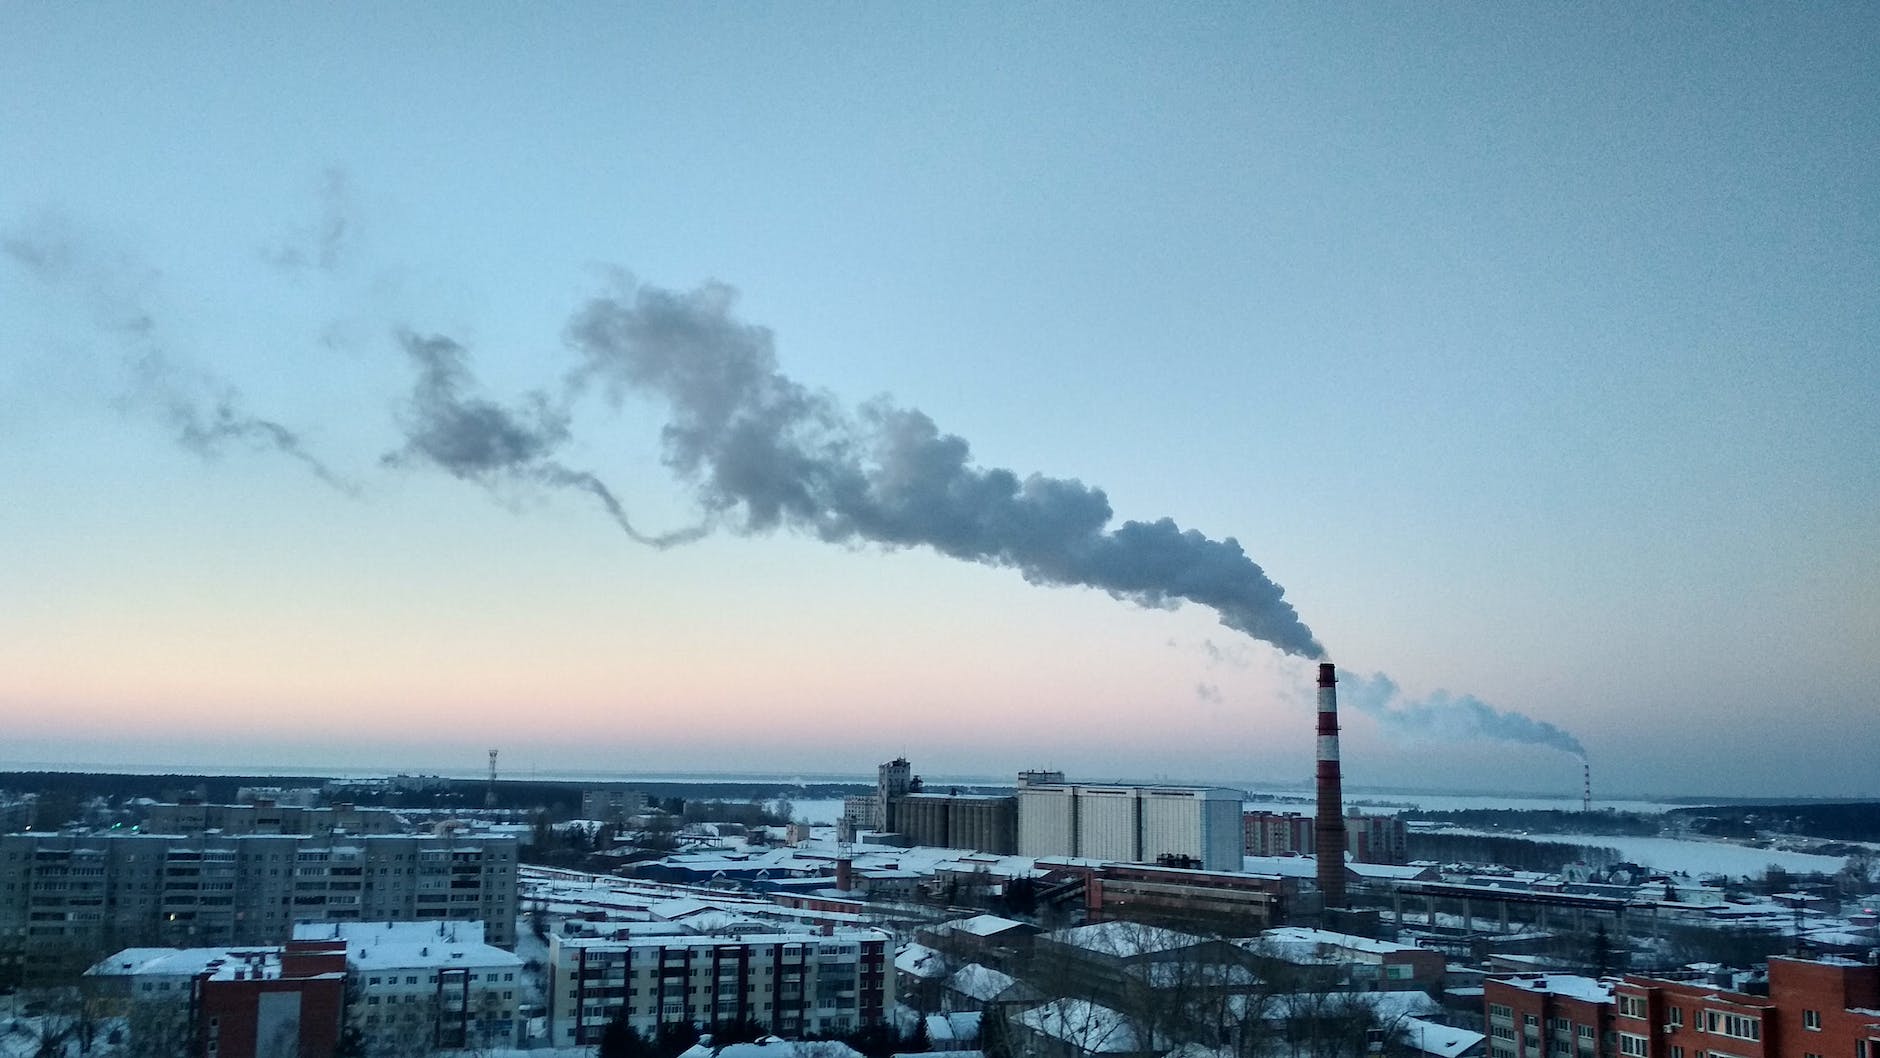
(1846, 821)
(1544, 821)
(1523, 854)
(561, 800)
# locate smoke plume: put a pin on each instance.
(476, 440)
(204, 414)
(1442, 715)
(763, 451)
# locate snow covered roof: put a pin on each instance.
(1387, 1005)
(951, 1028)
(1288, 939)
(980, 982)
(1125, 939)
(1442, 1041)
(983, 925)
(774, 1047)
(918, 960)
(263, 960)
(410, 945)
(1573, 986)
(1088, 1026)
(1283, 866)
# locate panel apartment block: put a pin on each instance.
(118, 890)
(793, 984)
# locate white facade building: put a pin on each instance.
(1132, 824)
(427, 983)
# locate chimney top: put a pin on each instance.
(1328, 674)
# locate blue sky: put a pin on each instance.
(1531, 351)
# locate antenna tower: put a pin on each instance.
(489, 795)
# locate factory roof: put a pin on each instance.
(1090, 1027)
(1125, 940)
(983, 926)
(1288, 940)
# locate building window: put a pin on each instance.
(1631, 1006)
(1677, 1052)
(1674, 1016)
(1633, 1046)
(1734, 1025)
(1811, 1020)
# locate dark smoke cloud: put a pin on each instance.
(1442, 715)
(765, 452)
(476, 440)
(203, 413)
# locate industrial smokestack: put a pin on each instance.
(1586, 794)
(1329, 835)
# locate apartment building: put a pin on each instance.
(794, 984)
(1551, 1016)
(1368, 838)
(422, 985)
(104, 891)
(264, 816)
(257, 1002)
(1816, 1008)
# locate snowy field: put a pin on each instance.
(1696, 858)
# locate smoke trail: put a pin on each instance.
(476, 440)
(764, 451)
(204, 413)
(1443, 715)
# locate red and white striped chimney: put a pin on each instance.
(1328, 840)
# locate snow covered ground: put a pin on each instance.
(1696, 858)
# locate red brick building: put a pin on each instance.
(284, 1005)
(1816, 1008)
(1550, 1016)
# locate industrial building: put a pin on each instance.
(794, 984)
(1185, 825)
(959, 821)
(67, 892)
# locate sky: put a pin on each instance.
(1530, 351)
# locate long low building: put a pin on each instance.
(793, 984)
